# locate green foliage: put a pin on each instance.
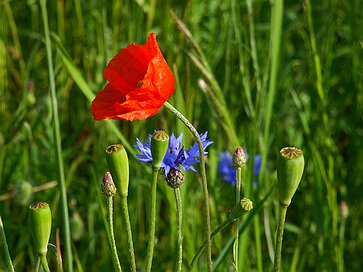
(221, 54)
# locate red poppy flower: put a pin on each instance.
(140, 81)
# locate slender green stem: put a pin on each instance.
(279, 236)
(8, 261)
(150, 247)
(204, 180)
(115, 259)
(238, 197)
(57, 135)
(37, 265)
(203, 246)
(130, 244)
(179, 231)
(43, 259)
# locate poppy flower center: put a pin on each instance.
(139, 84)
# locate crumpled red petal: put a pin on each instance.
(140, 81)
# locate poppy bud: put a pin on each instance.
(22, 192)
(290, 167)
(118, 164)
(175, 178)
(239, 158)
(77, 226)
(107, 186)
(244, 206)
(159, 146)
(40, 223)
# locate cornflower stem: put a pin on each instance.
(57, 136)
(115, 259)
(238, 197)
(8, 261)
(44, 262)
(150, 247)
(279, 236)
(179, 229)
(203, 246)
(130, 243)
(204, 180)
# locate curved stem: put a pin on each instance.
(204, 180)
(179, 231)
(280, 232)
(6, 249)
(238, 197)
(57, 136)
(203, 246)
(115, 259)
(150, 247)
(43, 259)
(130, 244)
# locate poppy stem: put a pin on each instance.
(150, 247)
(204, 180)
(280, 232)
(125, 212)
(115, 259)
(5, 245)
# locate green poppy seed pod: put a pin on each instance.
(118, 164)
(40, 223)
(244, 206)
(175, 178)
(159, 146)
(239, 158)
(290, 167)
(107, 186)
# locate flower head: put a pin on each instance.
(176, 155)
(140, 81)
(226, 169)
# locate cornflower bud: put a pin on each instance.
(175, 178)
(107, 185)
(242, 207)
(118, 164)
(290, 167)
(239, 158)
(159, 146)
(40, 223)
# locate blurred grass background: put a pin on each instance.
(220, 53)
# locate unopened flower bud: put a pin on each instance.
(159, 146)
(244, 206)
(118, 164)
(22, 192)
(290, 167)
(77, 226)
(107, 185)
(40, 223)
(239, 158)
(175, 178)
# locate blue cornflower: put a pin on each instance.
(225, 168)
(227, 171)
(176, 155)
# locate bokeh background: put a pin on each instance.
(220, 53)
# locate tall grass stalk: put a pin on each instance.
(57, 135)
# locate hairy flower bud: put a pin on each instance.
(175, 178)
(118, 164)
(244, 206)
(290, 167)
(40, 223)
(239, 158)
(159, 146)
(22, 192)
(107, 185)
